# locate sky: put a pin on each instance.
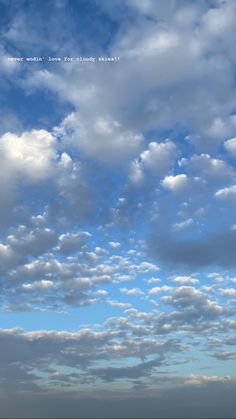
(118, 203)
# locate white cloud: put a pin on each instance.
(153, 280)
(184, 224)
(132, 291)
(175, 183)
(100, 137)
(228, 291)
(159, 157)
(136, 172)
(219, 19)
(6, 254)
(114, 245)
(146, 267)
(228, 192)
(209, 167)
(102, 293)
(31, 154)
(119, 304)
(185, 280)
(44, 284)
(170, 56)
(157, 290)
(230, 146)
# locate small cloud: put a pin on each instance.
(158, 290)
(153, 280)
(114, 245)
(228, 192)
(184, 224)
(230, 146)
(132, 291)
(102, 293)
(114, 303)
(185, 280)
(175, 183)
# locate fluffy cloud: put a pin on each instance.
(208, 167)
(104, 139)
(185, 280)
(225, 193)
(228, 291)
(184, 224)
(26, 159)
(157, 290)
(194, 302)
(132, 291)
(151, 52)
(31, 243)
(114, 245)
(31, 154)
(159, 157)
(230, 146)
(175, 183)
(72, 242)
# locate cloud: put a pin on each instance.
(208, 167)
(198, 252)
(206, 379)
(101, 138)
(32, 243)
(151, 52)
(44, 351)
(136, 175)
(31, 154)
(26, 159)
(225, 193)
(132, 291)
(157, 290)
(69, 358)
(72, 242)
(175, 183)
(114, 245)
(230, 146)
(114, 303)
(51, 272)
(185, 280)
(44, 284)
(193, 302)
(184, 224)
(224, 356)
(159, 157)
(228, 291)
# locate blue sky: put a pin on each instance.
(118, 198)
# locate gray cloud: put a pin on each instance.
(208, 250)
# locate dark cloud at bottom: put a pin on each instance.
(214, 400)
